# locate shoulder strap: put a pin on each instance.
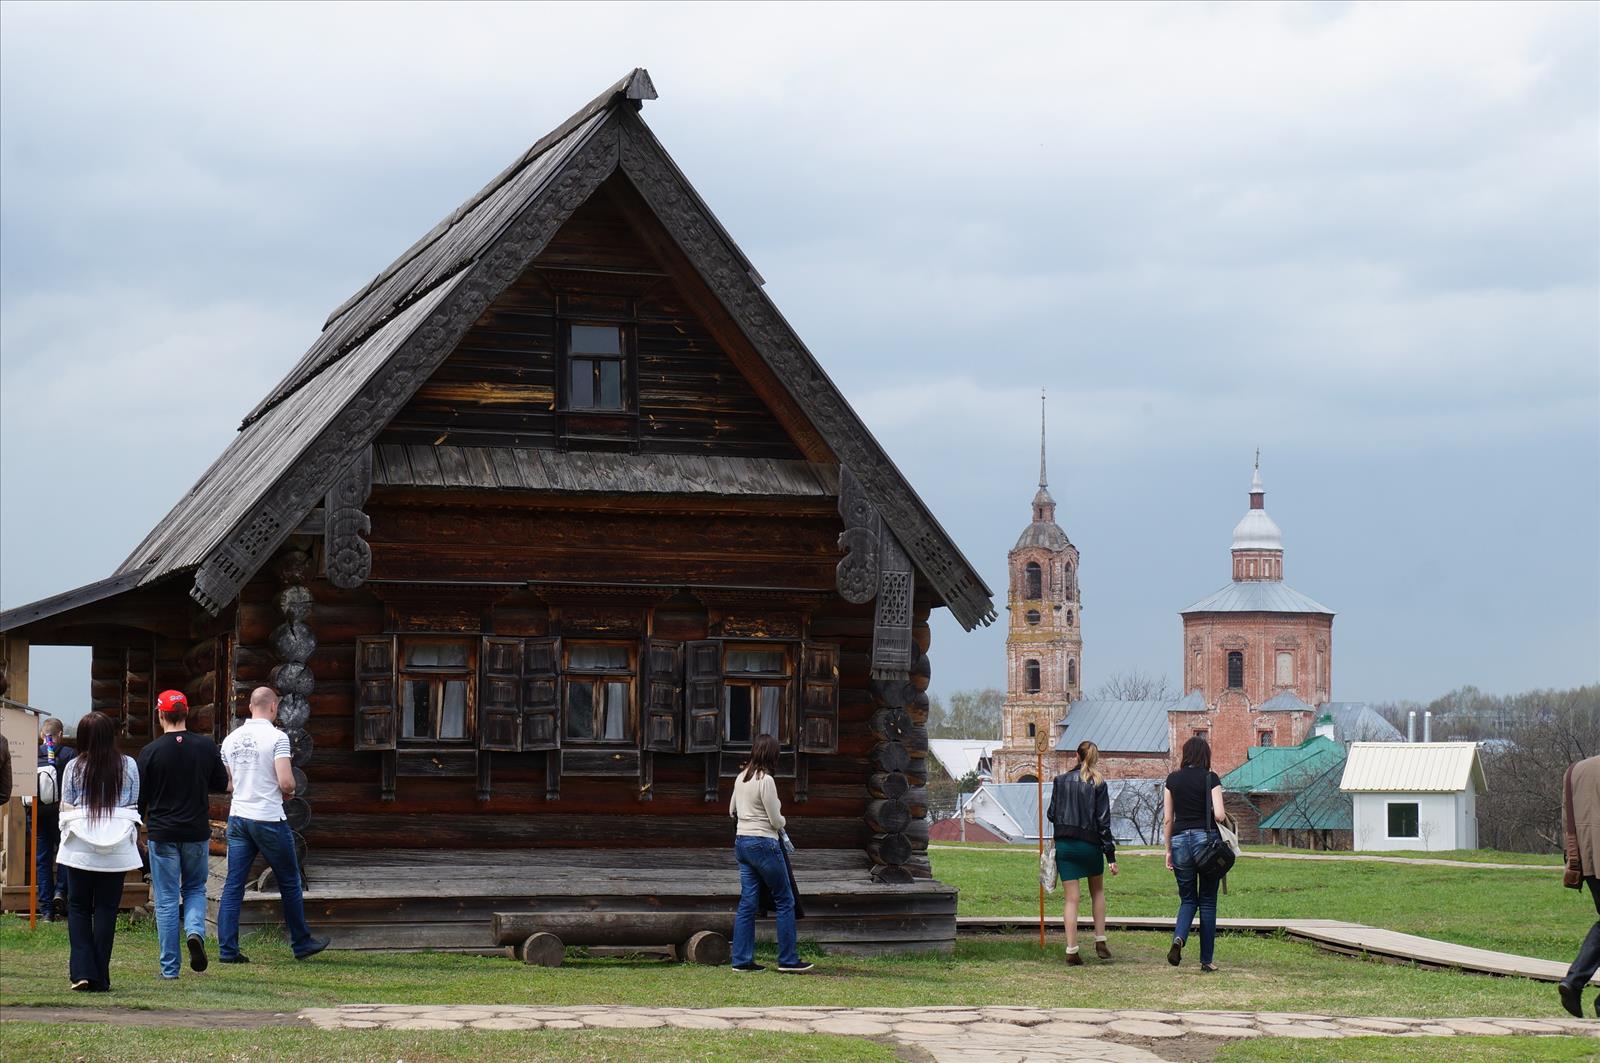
(1566, 803)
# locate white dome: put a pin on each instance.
(1257, 531)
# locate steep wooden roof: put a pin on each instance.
(382, 344)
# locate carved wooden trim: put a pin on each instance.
(875, 565)
(254, 538)
(683, 216)
(347, 555)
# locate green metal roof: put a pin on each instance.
(1320, 806)
(1279, 769)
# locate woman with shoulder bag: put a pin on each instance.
(759, 848)
(99, 845)
(1080, 811)
(1191, 807)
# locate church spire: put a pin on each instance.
(1042, 480)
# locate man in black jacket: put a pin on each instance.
(177, 772)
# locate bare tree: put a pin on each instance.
(1135, 685)
(1141, 806)
(971, 714)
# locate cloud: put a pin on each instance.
(1351, 233)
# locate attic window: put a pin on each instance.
(595, 368)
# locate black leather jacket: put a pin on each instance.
(1081, 811)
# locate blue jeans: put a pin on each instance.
(178, 884)
(49, 882)
(761, 862)
(246, 838)
(1195, 891)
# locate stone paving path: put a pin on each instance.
(948, 1034)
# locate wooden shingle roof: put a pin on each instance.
(385, 341)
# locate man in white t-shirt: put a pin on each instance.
(260, 776)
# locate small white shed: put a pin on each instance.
(1414, 795)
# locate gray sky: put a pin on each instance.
(1363, 238)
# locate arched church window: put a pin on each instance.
(1033, 616)
(1235, 670)
(1033, 730)
(1031, 672)
(1033, 581)
(1069, 617)
(1072, 672)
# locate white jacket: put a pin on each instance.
(107, 843)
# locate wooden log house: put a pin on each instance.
(553, 517)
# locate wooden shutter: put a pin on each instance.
(819, 698)
(376, 724)
(663, 696)
(541, 694)
(702, 731)
(500, 695)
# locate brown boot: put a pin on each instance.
(1074, 960)
(1101, 950)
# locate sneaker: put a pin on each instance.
(1175, 953)
(795, 968)
(82, 985)
(1102, 950)
(1209, 968)
(198, 961)
(240, 958)
(748, 968)
(316, 946)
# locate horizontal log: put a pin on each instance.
(892, 784)
(201, 657)
(610, 928)
(887, 816)
(891, 849)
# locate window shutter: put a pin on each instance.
(819, 698)
(500, 696)
(663, 687)
(376, 724)
(541, 694)
(703, 697)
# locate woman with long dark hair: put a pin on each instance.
(1080, 811)
(758, 845)
(99, 846)
(1185, 798)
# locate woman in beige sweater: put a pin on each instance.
(759, 848)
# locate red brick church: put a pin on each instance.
(1257, 660)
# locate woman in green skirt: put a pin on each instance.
(1080, 809)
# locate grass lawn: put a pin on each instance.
(104, 1041)
(1477, 856)
(1411, 1050)
(1261, 974)
(1510, 911)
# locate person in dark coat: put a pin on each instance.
(1580, 818)
(1080, 811)
(51, 881)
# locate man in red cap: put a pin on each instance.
(177, 772)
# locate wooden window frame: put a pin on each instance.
(627, 361)
(754, 681)
(436, 677)
(595, 677)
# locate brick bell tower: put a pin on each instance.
(1044, 645)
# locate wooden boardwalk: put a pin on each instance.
(1351, 939)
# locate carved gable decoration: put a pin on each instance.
(309, 441)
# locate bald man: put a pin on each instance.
(256, 755)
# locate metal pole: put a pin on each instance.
(33, 868)
(1038, 749)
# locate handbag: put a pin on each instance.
(1216, 857)
(1572, 873)
(1048, 871)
